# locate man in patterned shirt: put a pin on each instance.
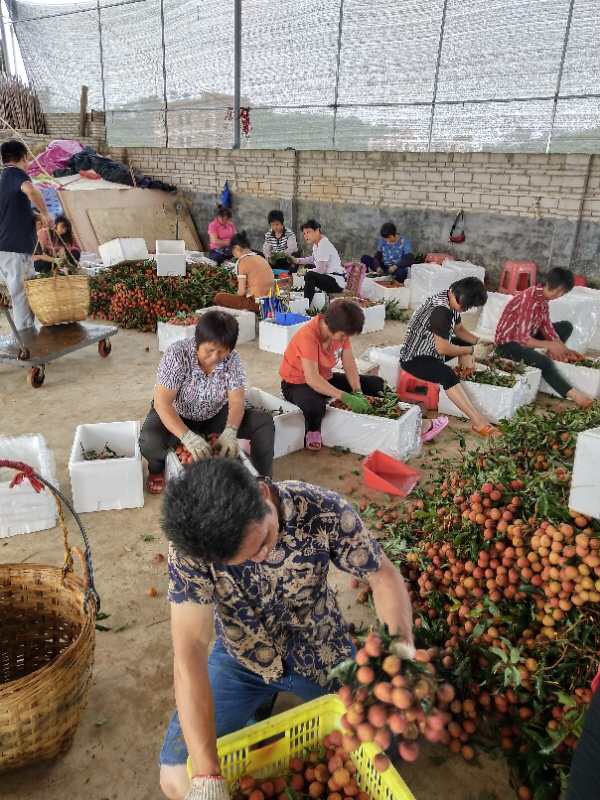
(525, 329)
(256, 555)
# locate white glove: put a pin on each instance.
(196, 445)
(208, 789)
(483, 350)
(227, 444)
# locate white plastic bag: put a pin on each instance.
(581, 310)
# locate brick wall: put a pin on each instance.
(522, 185)
(544, 207)
(66, 126)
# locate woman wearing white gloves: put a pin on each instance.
(199, 392)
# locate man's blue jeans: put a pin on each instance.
(237, 694)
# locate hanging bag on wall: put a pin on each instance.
(457, 231)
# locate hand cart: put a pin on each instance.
(36, 347)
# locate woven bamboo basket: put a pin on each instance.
(47, 637)
(59, 298)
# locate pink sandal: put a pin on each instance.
(437, 426)
(313, 440)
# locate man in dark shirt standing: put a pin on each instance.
(17, 227)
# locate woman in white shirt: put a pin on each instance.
(328, 274)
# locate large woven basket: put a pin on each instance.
(59, 298)
(47, 635)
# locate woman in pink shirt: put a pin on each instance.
(220, 233)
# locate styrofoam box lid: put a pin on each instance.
(122, 437)
(170, 246)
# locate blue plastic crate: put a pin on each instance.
(288, 318)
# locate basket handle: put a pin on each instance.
(25, 472)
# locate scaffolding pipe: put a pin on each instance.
(561, 67)
(437, 75)
(337, 71)
(237, 71)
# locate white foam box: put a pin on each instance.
(585, 480)
(490, 315)
(362, 433)
(22, 509)
(297, 281)
(299, 304)
(494, 402)
(112, 483)
(118, 250)
(388, 361)
(373, 290)
(275, 338)
(426, 280)
(586, 379)
(364, 366)
(167, 334)
(319, 301)
(289, 426)
(532, 377)
(464, 269)
(246, 321)
(170, 257)
(578, 308)
(374, 318)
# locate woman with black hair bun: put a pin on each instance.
(255, 277)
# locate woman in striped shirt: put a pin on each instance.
(436, 334)
(279, 239)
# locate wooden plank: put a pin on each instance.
(150, 224)
(77, 206)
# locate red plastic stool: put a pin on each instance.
(414, 390)
(436, 258)
(580, 280)
(517, 276)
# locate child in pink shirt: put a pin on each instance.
(220, 233)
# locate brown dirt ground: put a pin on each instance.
(114, 755)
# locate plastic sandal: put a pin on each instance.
(437, 426)
(487, 431)
(156, 483)
(313, 440)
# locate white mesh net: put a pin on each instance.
(346, 74)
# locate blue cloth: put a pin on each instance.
(394, 253)
(237, 694)
(17, 226)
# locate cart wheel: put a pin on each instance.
(36, 377)
(104, 348)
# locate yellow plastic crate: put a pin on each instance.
(265, 749)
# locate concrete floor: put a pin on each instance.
(114, 756)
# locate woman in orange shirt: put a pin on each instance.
(255, 277)
(307, 377)
(308, 380)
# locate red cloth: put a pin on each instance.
(526, 314)
(596, 681)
